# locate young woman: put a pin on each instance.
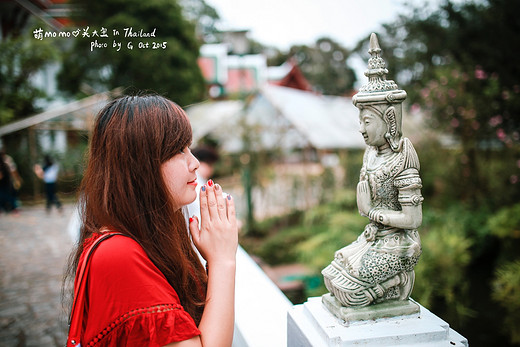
(147, 287)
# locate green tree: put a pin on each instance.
(21, 58)
(166, 63)
(324, 65)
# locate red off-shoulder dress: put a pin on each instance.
(129, 301)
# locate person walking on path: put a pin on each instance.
(145, 284)
(49, 175)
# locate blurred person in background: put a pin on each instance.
(9, 181)
(49, 174)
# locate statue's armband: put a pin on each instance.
(409, 185)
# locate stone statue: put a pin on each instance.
(379, 266)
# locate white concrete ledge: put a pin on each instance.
(260, 307)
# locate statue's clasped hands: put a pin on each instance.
(217, 237)
(364, 200)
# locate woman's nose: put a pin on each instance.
(194, 164)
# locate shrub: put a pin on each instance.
(506, 291)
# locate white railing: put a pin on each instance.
(260, 307)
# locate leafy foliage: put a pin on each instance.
(441, 272)
(506, 291)
(341, 228)
(172, 71)
(506, 222)
(20, 60)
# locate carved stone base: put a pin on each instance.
(367, 313)
(312, 325)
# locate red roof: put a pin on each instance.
(294, 79)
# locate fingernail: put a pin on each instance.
(191, 219)
(229, 197)
(203, 188)
(217, 187)
(210, 183)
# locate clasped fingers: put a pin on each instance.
(217, 238)
(215, 206)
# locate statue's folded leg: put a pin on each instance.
(329, 273)
(351, 291)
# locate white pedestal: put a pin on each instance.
(312, 325)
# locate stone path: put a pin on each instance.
(34, 248)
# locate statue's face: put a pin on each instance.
(372, 127)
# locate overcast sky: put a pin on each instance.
(282, 23)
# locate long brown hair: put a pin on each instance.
(123, 189)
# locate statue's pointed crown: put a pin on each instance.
(378, 89)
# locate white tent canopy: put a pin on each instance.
(279, 117)
(327, 122)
